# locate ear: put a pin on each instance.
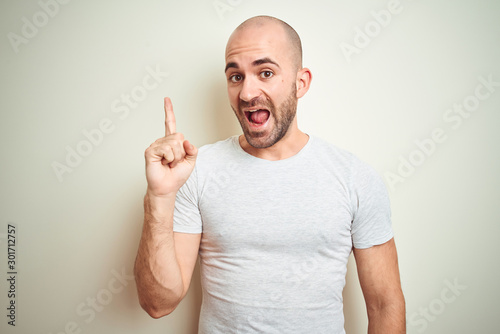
(303, 81)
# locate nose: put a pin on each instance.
(250, 89)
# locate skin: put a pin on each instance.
(165, 260)
(378, 274)
(261, 74)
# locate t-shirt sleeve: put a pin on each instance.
(187, 217)
(372, 213)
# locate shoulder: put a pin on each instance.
(223, 145)
(212, 157)
(354, 168)
(329, 150)
(218, 149)
(338, 157)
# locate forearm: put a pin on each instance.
(388, 318)
(157, 272)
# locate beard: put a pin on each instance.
(283, 116)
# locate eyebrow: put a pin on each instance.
(257, 62)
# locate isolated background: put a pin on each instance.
(77, 234)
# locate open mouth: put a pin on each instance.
(257, 116)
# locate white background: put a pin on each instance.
(76, 233)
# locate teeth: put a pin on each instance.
(253, 110)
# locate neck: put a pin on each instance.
(291, 143)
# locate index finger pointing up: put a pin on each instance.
(169, 117)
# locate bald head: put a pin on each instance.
(291, 36)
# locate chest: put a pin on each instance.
(275, 212)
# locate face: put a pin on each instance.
(261, 83)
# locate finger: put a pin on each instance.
(191, 150)
(159, 153)
(166, 155)
(169, 117)
(179, 155)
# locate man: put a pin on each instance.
(273, 213)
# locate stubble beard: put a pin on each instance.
(283, 117)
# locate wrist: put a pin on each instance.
(160, 206)
(168, 197)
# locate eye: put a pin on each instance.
(235, 78)
(266, 74)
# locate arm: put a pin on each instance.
(165, 260)
(379, 278)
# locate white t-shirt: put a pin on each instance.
(276, 235)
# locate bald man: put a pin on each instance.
(273, 213)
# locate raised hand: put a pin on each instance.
(170, 159)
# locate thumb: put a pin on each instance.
(191, 151)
